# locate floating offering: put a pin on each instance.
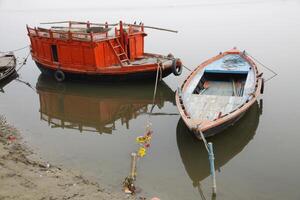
(102, 52)
(218, 92)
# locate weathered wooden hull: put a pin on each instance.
(221, 127)
(213, 127)
(10, 70)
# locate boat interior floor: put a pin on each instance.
(210, 107)
(216, 95)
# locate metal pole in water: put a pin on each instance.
(133, 165)
(212, 167)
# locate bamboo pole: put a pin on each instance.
(152, 27)
(105, 24)
(212, 168)
(133, 165)
(76, 22)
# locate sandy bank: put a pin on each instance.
(23, 177)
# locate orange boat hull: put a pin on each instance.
(108, 76)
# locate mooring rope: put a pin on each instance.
(144, 141)
(268, 68)
(186, 67)
(24, 62)
(201, 191)
(204, 140)
(155, 86)
(14, 50)
(26, 83)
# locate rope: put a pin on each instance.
(268, 68)
(26, 83)
(186, 67)
(204, 140)
(201, 191)
(24, 62)
(155, 86)
(15, 49)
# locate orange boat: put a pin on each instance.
(103, 52)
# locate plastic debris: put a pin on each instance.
(11, 138)
(47, 165)
(128, 185)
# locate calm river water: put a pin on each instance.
(92, 127)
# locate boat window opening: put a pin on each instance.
(54, 53)
(222, 84)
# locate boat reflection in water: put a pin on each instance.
(226, 146)
(7, 81)
(96, 108)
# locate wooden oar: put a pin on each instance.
(152, 27)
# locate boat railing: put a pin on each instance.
(68, 35)
(132, 29)
(80, 36)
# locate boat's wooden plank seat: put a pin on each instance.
(221, 88)
(208, 107)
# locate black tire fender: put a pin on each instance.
(176, 69)
(59, 76)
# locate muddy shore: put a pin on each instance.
(24, 177)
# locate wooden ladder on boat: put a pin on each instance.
(119, 51)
